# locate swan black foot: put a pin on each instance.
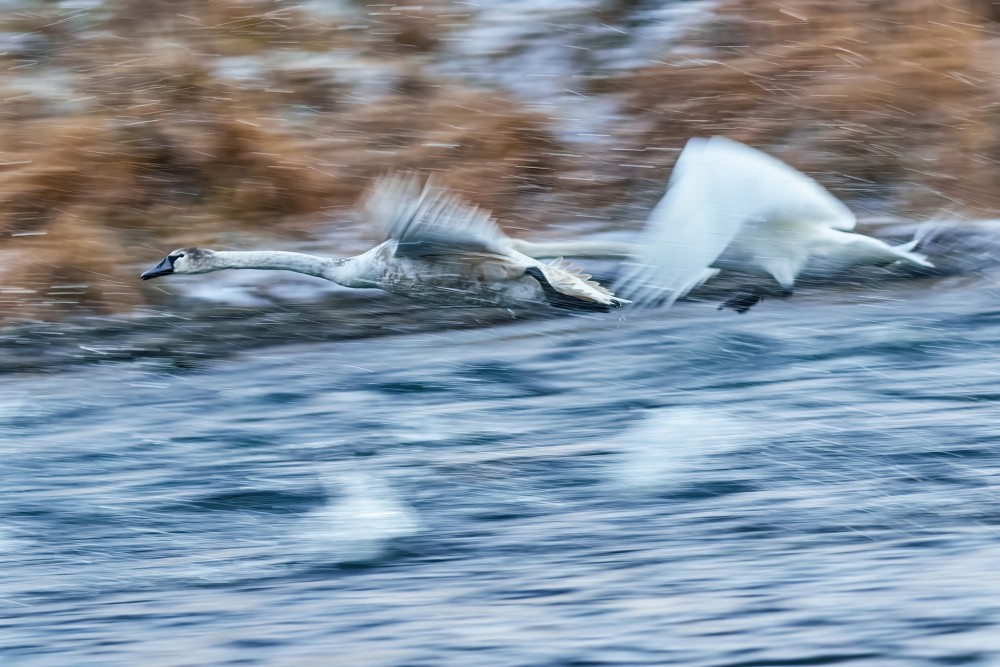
(746, 298)
(559, 300)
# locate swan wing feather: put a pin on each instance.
(571, 281)
(431, 221)
(684, 234)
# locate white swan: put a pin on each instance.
(437, 249)
(731, 206)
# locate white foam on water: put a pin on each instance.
(677, 445)
(361, 520)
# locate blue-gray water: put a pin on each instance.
(813, 483)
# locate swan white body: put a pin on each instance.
(437, 249)
(731, 206)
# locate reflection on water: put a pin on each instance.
(812, 483)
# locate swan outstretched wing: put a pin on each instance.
(684, 234)
(431, 220)
(572, 281)
(565, 286)
(717, 187)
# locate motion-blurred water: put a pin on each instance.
(812, 483)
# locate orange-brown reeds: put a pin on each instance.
(157, 149)
(877, 98)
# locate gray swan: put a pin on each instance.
(437, 249)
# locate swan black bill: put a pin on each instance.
(164, 268)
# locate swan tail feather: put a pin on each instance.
(905, 253)
(924, 235)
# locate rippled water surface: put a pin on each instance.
(815, 482)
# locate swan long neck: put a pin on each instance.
(274, 260)
(579, 249)
(349, 272)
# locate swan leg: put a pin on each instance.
(747, 297)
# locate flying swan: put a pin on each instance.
(726, 206)
(731, 206)
(437, 249)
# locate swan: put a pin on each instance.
(436, 248)
(730, 206)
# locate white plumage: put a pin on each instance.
(732, 205)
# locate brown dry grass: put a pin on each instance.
(876, 98)
(482, 143)
(45, 279)
(159, 150)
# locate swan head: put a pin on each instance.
(184, 260)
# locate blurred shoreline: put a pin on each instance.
(137, 127)
(255, 311)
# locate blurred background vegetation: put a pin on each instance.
(131, 127)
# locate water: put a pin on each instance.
(813, 483)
